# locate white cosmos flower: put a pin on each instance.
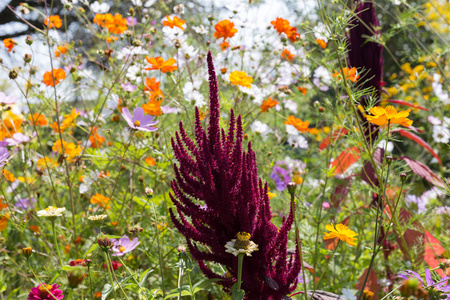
(192, 94)
(100, 8)
(298, 141)
(441, 134)
(200, 29)
(51, 212)
(291, 105)
(261, 128)
(322, 78)
(111, 105)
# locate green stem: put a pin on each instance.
(56, 243)
(240, 261)
(133, 276)
(90, 282)
(323, 272)
(159, 249)
(40, 282)
(114, 275)
(110, 275)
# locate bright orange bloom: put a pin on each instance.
(240, 78)
(8, 175)
(302, 90)
(225, 29)
(53, 21)
(158, 63)
(70, 149)
(4, 217)
(2, 205)
(116, 25)
(67, 123)
(350, 74)
(102, 19)
(46, 162)
(297, 123)
(10, 124)
(341, 232)
(176, 22)
(224, 45)
(150, 161)
(281, 25)
(38, 119)
(321, 43)
(287, 55)
(267, 104)
(101, 200)
(152, 108)
(382, 116)
(58, 75)
(292, 34)
(61, 50)
(98, 294)
(111, 39)
(34, 228)
(96, 140)
(9, 43)
(152, 86)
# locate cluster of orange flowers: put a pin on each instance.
(287, 55)
(96, 139)
(175, 22)
(61, 50)
(9, 44)
(268, 104)
(282, 26)
(10, 124)
(115, 24)
(67, 123)
(101, 200)
(350, 74)
(58, 75)
(224, 29)
(4, 216)
(53, 21)
(70, 149)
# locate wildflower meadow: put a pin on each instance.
(257, 149)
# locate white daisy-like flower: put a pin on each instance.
(51, 212)
(179, 9)
(100, 8)
(261, 128)
(97, 217)
(441, 134)
(241, 244)
(298, 141)
(348, 294)
(200, 29)
(322, 78)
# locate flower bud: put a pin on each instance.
(27, 58)
(131, 11)
(223, 70)
(291, 186)
(149, 192)
(29, 40)
(27, 251)
(389, 159)
(321, 109)
(367, 295)
(403, 177)
(75, 277)
(88, 262)
(13, 74)
(409, 287)
(104, 243)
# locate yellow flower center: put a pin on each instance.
(243, 240)
(50, 208)
(122, 248)
(137, 123)
(43, 289)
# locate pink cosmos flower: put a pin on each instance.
(124, 245)
(139, 120)
(17, 138)
(4, 154)
(40, 292)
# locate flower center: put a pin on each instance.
(122, 249)
(43, 289)
(243, 240)
(50, 208)
(137, 123)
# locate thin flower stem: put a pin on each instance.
(110, 275)
(133, 276)
(180, 281)
(114, 275)
(240, 262)
(90, 282)
(323, 272)
(56, 243)
(159, 248)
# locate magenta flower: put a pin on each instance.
(4, 154)
(124, 245)
(139, 120)
(40, 292)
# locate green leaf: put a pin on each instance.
(107, 289)
(144, 276)
(185, 291)
(12, 295)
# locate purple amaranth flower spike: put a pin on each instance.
(217, 194)
(139, 120)
(366, 56)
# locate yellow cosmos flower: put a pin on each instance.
(382, 116)
(240, 78)
(342, 232)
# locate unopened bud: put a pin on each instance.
(367, 295)
(321, 109)
(27, 58)
(131, 11)
(148, 191)
(389, 159)
(316, 104)
(104, 243)
(291, 186)
(29, 40)
(403, 176)
(27, 251)
(13, 74)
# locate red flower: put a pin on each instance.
(116, 265)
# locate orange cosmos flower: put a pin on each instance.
(9, 43)
(102, 19)
(8, 175)
(61, 50)
(152, 86)
(38, 119)
(117, 24)
(150, 161)
(58, 75)
(53, 21)
(10, 124)
(101, 200)
(297, 123)
(34, 228)
(287, 55)
(111, 39)
(158, 63)
(176, 22)
(4, 217)
(224, 45)
(292, 34)
(152, 108)
(225, 29)
(70, 149)
(382, 116)
(46, 162)
(302, 90)
(240, 78)
(341, 232)
(267, 104)
(96, 140)
(350, 74)
(321, 43)
(281, 25)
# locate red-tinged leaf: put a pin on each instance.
(345, 160)
(340, 192)
(333, 136)
(401, 102)
(309, 267)
(433, 249)
(371, 284)
(423, 171)
(412, 237)
(418, 140)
